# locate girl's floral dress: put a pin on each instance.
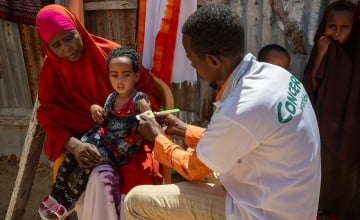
(118, 137)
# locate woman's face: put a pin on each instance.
(67, 45)
(339, 25)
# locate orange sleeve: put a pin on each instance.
(186, 163)
(193, 135)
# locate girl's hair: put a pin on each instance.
(125, 52)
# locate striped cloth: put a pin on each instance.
(159, 39)
(21, 11)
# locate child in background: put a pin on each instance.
(115, 138)
(332, 81)
(274, 54)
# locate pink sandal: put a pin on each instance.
(46, 204)
(51, 210)
(59, 211)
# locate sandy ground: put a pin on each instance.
(9, 166)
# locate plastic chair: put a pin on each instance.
(167, 102)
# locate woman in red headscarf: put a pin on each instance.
(332, 79)
(73, 77)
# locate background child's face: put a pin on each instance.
(339, 25)
(122, 75)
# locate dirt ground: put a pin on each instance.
(9, 166)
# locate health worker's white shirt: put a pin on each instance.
(263, 140)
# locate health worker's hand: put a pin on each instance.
(171, 124)
(149, 128)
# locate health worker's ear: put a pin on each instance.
(213, 61)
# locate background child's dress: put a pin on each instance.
(336, 101)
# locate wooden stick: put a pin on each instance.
(27, 169)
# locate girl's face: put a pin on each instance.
(67, 45)
(122, 76)
(339, 25)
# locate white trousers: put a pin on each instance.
(180, 201)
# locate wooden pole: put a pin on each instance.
(27, 169)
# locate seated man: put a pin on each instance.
(262, 139)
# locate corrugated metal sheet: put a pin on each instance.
(33, 56)
(291, 24)
(15, 96)
(277, 21)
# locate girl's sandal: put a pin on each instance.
(46, 204)
(58, 212)
(50, 209)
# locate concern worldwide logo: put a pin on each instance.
(295, 101)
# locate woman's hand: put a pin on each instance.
(86, 154)
(97, 113)
(149, 128)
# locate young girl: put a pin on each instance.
(332, 80)
(115, 138)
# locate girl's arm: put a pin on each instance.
(144, 105)
(97, 113)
